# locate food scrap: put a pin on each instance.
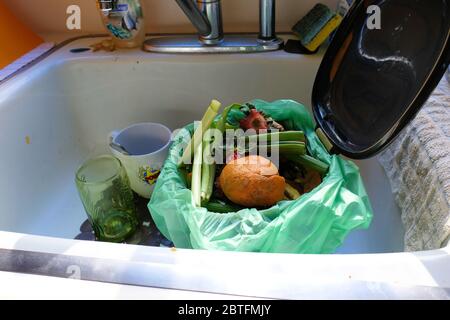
(246, 180)
(252, 182)
(105, 45)
(257, 120)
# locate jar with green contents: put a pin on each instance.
(124, 20)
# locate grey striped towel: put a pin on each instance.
(418, 167)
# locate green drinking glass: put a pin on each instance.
(105, 191)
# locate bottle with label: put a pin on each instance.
(124, 20)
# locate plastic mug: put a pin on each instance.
(147, 146)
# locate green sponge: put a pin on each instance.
(316, 26)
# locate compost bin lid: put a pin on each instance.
(372, 82)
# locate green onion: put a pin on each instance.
(197, 138)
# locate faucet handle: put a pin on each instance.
(267, 20)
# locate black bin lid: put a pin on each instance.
(371, 82)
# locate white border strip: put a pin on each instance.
(25, 59)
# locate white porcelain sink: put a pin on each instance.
(59, 112)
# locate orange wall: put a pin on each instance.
(48, 16)
(15, 38)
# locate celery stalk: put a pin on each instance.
(197, 176)
(197, 138)
(282, 136)
(310, 162)
(209, 170)
(210, 185)
(292, 148)
(204, 181)
(208, 176)
(291, 192)
(222, 122)
(284, 147)
(220, 206)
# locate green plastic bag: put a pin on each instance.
(317, 222)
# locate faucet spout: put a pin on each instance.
(192, 11)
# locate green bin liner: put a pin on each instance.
(316, 223)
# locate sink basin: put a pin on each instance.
(59, 112)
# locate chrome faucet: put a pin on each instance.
(206, 16)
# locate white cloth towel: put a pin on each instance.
(418, 167)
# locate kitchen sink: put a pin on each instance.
(58, 113)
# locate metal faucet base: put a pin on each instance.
(230, 44)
